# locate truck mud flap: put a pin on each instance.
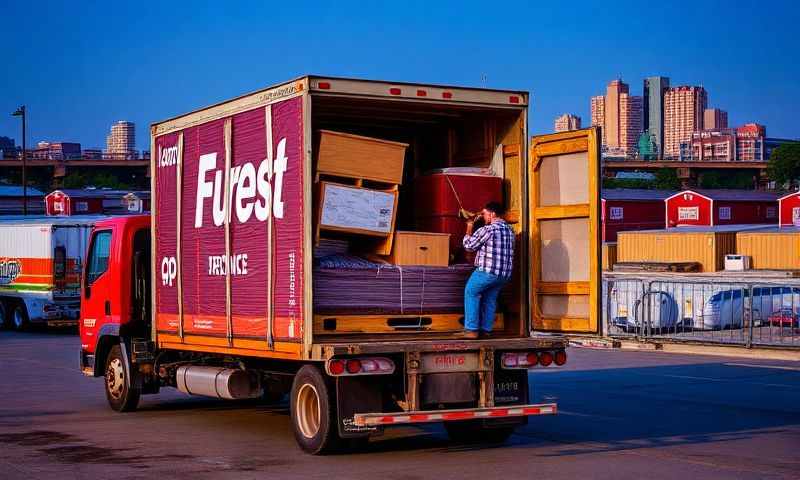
(357, 394)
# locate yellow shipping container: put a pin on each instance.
(609, 255)
(705, 245)
(774, 249)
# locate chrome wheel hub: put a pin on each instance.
(115, 378)
(308, 411)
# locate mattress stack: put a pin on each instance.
(361, 288)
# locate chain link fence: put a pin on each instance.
(717, 311)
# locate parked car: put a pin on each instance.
(727, 309)
(785, 317)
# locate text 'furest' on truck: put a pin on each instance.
(225, 290)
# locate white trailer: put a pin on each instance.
(41, 259)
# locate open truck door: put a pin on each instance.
(565, 234)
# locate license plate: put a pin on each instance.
(450, 362)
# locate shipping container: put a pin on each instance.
(789, 210)
(609, 255)
(710, 208)
(773, 248)
(704, 245)
(625, 209)
(41, 259)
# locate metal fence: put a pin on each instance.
(710, 310)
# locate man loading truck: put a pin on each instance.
(283, 256)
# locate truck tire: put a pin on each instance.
(122, 395)
(312, 406)
(5, 320)
(473, 432)
(19, 317)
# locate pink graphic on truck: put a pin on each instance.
(264, 210)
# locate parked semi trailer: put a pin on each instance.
(41, 259)
(213, 293)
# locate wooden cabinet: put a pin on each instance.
(421, 248)
(354, 156)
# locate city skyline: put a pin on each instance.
(128, 76)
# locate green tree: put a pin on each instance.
(667, 179)
(784, 163)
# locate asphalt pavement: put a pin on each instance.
(622, 414)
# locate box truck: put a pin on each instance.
(224, 289)
(41, 260)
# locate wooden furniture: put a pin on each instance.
(361, 324)
(365, 158)
(421, 248)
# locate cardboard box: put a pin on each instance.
(421, 248)
(354, 156)
(351, 209)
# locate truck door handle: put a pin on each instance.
(423, 248)
(108, 307)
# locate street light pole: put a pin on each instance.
(21, 113)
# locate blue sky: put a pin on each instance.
(80, 66)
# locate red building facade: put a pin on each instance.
(720, 207)
(624, 209)
(789, 210)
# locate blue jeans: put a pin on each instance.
(480, 300)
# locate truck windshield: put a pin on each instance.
(98, 256)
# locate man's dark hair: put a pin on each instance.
(496, 207)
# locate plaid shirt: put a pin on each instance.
(495, 246)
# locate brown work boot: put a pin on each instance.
(469, 335)
(484, 335)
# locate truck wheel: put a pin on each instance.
(471, 432)
(313, 411)
(121, 397)
(5, 321)
(19, 316)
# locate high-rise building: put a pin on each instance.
(614, 90)
(7, 147)
(121, 142)
(630, 123)
(620, 115)
(567, 122)
(683, 115)
(750, 143)
(715, 119)
(599, 115)
(653, 109)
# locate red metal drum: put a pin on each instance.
(441, 194)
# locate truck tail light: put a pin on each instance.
(513, 99)
(395, 91)
(511, 360)
(360, 366)
(422, 93)
(561, 357)
(546, 358)
(336, 367)
(324, 85)
(447, 95)
(353, 366)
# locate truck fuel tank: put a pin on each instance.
(218, 382)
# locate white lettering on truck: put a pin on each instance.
(245, 184)
(217, 265)
(168, 157)
(169, 270)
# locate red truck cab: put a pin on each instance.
(115, 296)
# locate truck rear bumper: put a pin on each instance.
(426, 416)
